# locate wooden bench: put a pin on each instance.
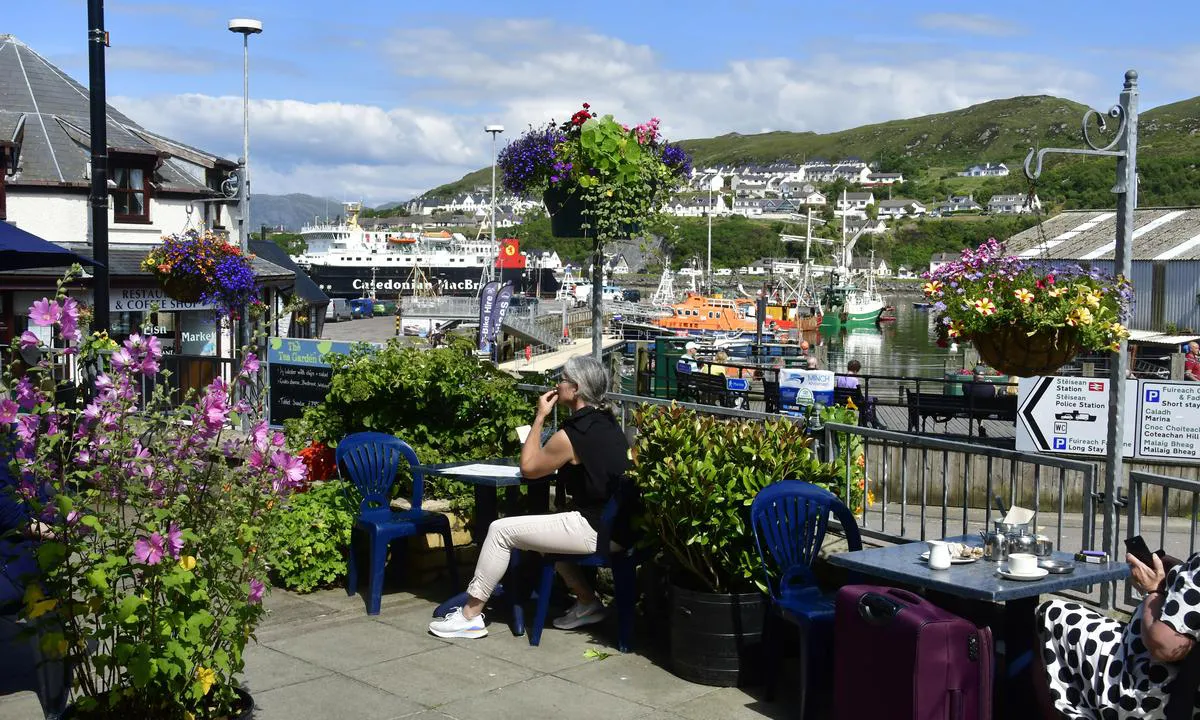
(943, 408)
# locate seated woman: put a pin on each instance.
(591, 454)
(1095, 668)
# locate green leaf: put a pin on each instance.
(127, 611)
(594, 654)
(98, 579)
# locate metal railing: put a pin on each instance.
(1147, 490)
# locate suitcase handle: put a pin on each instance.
(906, 596)
(878, 609)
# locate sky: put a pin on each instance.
(380, 100)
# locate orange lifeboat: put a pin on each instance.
(698, 313)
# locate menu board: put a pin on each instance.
(298, 375)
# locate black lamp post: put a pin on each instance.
(97, 41)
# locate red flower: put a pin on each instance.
(1050, 279)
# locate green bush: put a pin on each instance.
(698, 475)
(443, 402)
(311, 539)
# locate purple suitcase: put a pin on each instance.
(898, 656)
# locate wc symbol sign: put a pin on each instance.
(1060, 443)
(1152, 396)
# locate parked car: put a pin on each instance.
(631, 295)
(362, 308)
(337, 310)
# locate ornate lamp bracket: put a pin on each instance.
(1094, 148)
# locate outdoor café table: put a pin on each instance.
(1006, 606)
(489, 477)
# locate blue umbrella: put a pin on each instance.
(20, 250)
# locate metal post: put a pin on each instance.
(1122, 264)
(598, 300)
(97, 41)
(494, 130)
(708, 271)
(244, 225)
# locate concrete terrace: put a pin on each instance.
(320, 656)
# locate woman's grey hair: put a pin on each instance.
(590, 378)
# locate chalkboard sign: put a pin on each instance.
(298, 375)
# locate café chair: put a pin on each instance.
(370, 460)
(624, 563)
(789, 519)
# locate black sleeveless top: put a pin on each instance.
(599, 442)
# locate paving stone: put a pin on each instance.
(444, 675)
(634, 678)
(267, 669)
(284, 607)
(20, 706)
(735, 703)
(335, 696)
(559, 649)
(544, 697)
(352, 645)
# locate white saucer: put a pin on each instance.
(1037, 574)
(953, 560)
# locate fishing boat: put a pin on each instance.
(845, 304)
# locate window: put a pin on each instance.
(131, 194)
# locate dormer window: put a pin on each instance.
(131, 187)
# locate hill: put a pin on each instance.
(291, 212)
(996, 131)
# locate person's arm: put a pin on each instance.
(1164, 643)
(539, 460)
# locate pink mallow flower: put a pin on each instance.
(256, 591)
(70, 320)
(27, 395)
(8, 411)
(149, 551)
(174, 540)
(45, 312)
(29, 340)
(250, 365)
(293, 470)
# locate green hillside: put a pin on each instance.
(995, 131)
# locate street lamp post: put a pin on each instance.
(494, 130)
(245, 27)
(98, 199)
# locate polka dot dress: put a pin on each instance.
(1100, 669)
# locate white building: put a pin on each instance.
(900, 207)
(1013, 204)
(986, 170)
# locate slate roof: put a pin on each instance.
(1158, 234)
(126, 261)
(46, 112)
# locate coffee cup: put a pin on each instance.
(1022, 564)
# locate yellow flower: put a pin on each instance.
(932, 287)
(1093, 298)
(206, 678)
(187, 562)
(1115, 346)
(1056, 292)
(955, 330)
(1119, 331)
(1023, 295)
(985, 307)
(1080, 316)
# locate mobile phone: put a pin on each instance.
(1137, 547)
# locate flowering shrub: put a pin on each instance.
(615, 170)
(986, 291)
(202, 266)
(319, 459)
(153, 565)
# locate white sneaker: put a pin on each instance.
(455, 625)
(579, 615)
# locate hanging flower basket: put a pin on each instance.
(202, 267)
(1013, 352)
(1028, 316)
(566, 212)
(185, 289)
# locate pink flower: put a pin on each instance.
(148, 551)
(250, 364)
(29, 340)
(293, 469)
(121, 359)
(70, 320)
(45, 312)
(262, 435)
(8, 412)
(256, 591)
(27, 395)
(174, 540)
(27, 427)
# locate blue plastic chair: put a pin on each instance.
(789, 520)
(371, 460)
(624, 564)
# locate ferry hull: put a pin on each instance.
(352, 282)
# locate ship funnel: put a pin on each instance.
(352, 210)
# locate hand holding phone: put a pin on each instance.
(1136, 546)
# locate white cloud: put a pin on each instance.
(971, 23)
(523, 72)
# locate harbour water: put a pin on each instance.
(904, 347)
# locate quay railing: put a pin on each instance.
(1150, 491)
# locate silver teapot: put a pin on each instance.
(1022, 544)
(995, 546)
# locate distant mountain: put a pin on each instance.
(291, 212)
(995, 131)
